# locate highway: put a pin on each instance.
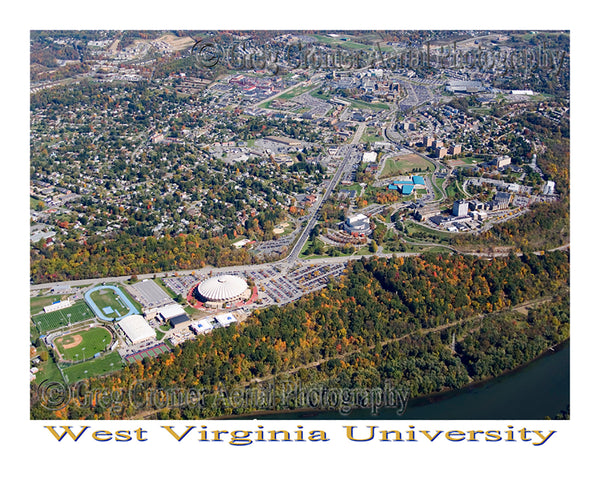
(347, 152)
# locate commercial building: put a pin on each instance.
(290, 142)
(369, 157)
(136, 329)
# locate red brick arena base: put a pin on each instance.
(198, 305)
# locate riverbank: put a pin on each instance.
(535, 390)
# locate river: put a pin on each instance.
(538, 390)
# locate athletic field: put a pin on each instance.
(93, 368)
(83, 344)
(404, 164)
(61, 318)
(109, 302)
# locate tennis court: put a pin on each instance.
(148, 353)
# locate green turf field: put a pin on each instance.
(109, 298)
(93, 368)
(91, 341)
(50, 321)
(403, 164)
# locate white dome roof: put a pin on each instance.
(223, 287)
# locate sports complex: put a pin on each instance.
(102, 328)
(83, 334)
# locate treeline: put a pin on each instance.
(385, 320)
(127, 255)
(510, 341)
(545, 226)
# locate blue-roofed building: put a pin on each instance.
(407, 186)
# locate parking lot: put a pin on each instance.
(281, 288)
(181, 285)
(149, 294)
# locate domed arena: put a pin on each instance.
(223, 289)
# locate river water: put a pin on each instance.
(538, 390)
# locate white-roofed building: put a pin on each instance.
(223, 289)
(169, 311)
(225, 319)
(369, 157)
(358, 224)
(549, 188)
(58, 306)
(137, 329)
(201, 326)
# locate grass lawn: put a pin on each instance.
(93, 368)
(404, 164)
(91, 341)
(438, 187)
(37, 304)
(168, 291)
(294, 92)
(454, 189)
(371, 135)
(418, 232)
(321, 96)
(338, 41)
(48, 370)
(471, 160)
(33, 203)
(367, 105)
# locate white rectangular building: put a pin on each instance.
(170, 311)
(369, 157)
(201, 326)
(225, 319)
(137, 329)
(58, 306)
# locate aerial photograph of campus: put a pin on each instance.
(319, 224)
